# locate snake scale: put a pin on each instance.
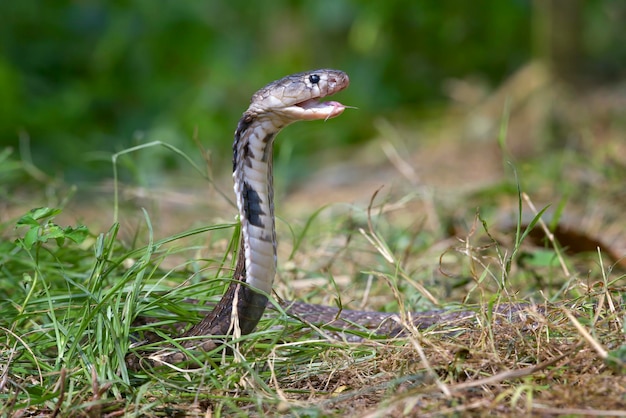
(280, 103)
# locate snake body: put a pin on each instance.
(280, 103)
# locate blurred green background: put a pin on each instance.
(80, 80)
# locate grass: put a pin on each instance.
(70, 300)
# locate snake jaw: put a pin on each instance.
(313, 109)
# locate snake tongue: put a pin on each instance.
(321, 110)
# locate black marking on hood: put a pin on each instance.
(252, 206)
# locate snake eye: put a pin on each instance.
(314, 78)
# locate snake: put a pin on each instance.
(297, 97)
(280, 103)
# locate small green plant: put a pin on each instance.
(42, 229)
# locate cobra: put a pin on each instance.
(280, 103)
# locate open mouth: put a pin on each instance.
(315, 109)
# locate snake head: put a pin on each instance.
(297, 96)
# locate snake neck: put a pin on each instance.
(253, 184)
